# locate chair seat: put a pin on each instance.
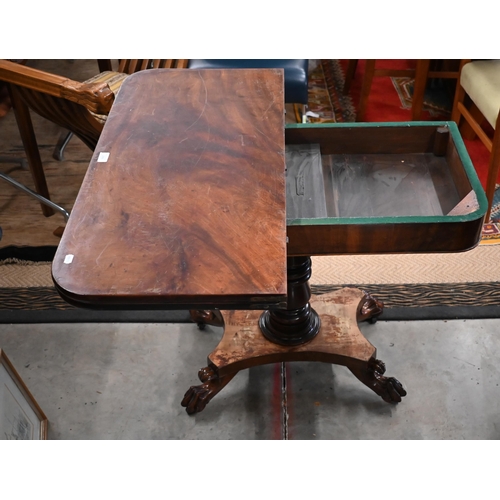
(481, 81)
(296, 72)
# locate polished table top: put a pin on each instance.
(183, 204)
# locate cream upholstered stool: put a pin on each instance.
(480, 81)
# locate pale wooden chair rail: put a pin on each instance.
(66, 102)
(71, 104)
(97, 97)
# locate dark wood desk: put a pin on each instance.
(183, 206)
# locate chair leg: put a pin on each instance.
(365, 89)
(466, 131)
(25, 125)
(417, 101)
(493, 168)
(11, 159)
(40, 198)
(300, 111)
(349, 75)
(459, 94)
(62, 142)
(104, 65)
(459, 98)
(296, 110)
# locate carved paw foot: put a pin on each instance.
(369, 309)
(203, 318)
(388, 388)
(198, 396)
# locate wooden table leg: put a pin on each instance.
(338, 341)
(198, 396)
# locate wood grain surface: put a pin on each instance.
(338, 341)
(189, 208)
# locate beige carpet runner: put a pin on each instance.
(15, 273)
(404, 281)
(478, 265)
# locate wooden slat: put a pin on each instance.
(122, 66)
(132, 66)
(27, 134)
(476, 127)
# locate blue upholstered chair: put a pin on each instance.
(296, 73)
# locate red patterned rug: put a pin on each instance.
(326, 98)
(437, 101)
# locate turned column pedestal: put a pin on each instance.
(312, 328)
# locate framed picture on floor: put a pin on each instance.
(20, 416)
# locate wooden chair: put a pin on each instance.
(477, 100)
(422, 72)
(125, 67)
(70, 104)
(79, 107)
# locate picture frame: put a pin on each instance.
(21, 418)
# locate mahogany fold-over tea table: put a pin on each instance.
(198, 197)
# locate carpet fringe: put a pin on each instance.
(20, 262)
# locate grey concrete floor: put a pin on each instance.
(126, 381)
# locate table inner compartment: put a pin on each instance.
(367, 185)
